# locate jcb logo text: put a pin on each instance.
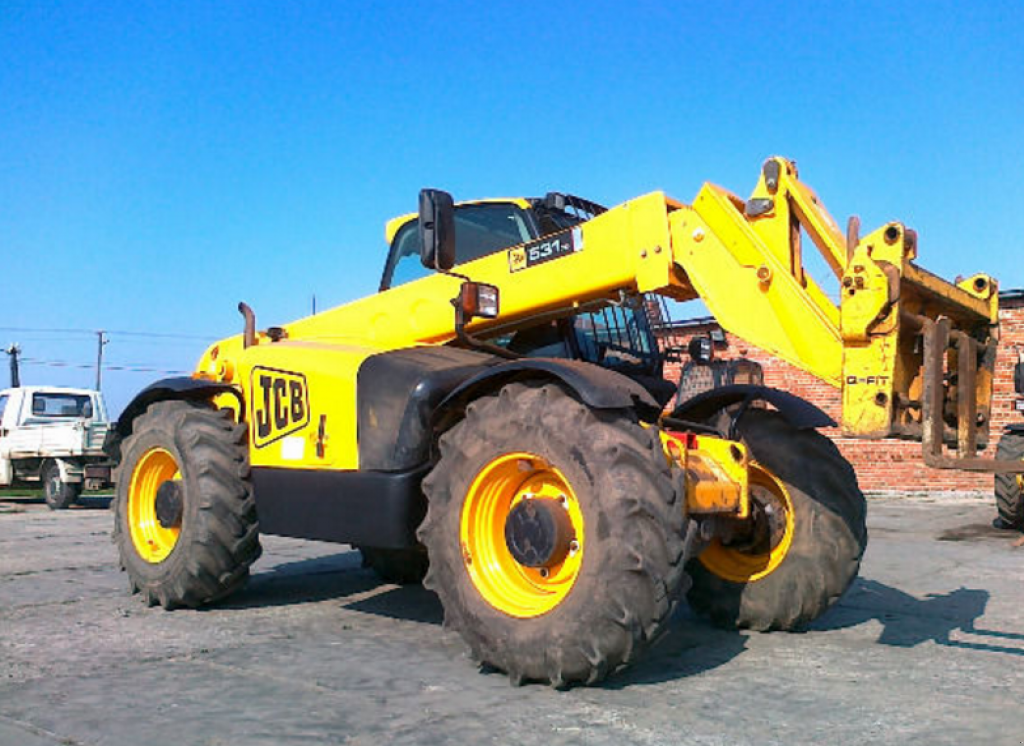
(280, 404)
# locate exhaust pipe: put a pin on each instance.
(249, 331)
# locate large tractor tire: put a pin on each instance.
(59, 495)
(555, 535)
(808, 536)
(398, 566)
(1010, 487)
(185, 519)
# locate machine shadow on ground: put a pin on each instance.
(335, 576)
(908, 621)
(339, 577)
(691, 645)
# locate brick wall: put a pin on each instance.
(888, 465)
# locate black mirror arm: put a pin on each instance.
(475, 343)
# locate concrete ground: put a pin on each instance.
(927, 647)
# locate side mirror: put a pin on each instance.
(437, 230)
(701, 350)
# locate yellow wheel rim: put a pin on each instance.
(152, 542)
(505, 584)
(743, 566)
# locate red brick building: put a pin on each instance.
(888, 465)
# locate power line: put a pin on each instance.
(126, 367)
(121, 332)
(161, 335)
(49, 330)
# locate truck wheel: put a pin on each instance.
(398, 566)
(1010, 487)
(555, 535)
(185, 519)
(58, 495)
(805, 542)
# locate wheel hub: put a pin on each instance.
(758, 545)
(538, 532)
(169, 504)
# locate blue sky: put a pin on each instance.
(160, 162)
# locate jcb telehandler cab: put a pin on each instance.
(494, 419)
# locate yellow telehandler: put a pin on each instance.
(494, 422)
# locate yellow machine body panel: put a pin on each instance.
(301, 400)
(743, 258)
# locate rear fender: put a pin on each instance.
(800, 413)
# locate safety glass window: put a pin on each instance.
(479, 230)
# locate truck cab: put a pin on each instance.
(618, 337)
(53, 437)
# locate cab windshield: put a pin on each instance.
(479, 230)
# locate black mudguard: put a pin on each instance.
(398, 392)
(597, 387)
(181, 387)
(798, 412)
(405, 395)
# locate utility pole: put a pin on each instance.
(314, 304)
(14, 351)
(101, 335)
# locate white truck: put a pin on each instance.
(54, 437)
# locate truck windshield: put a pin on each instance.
(61, 405)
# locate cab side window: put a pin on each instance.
(479, 230)
(405, 257)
